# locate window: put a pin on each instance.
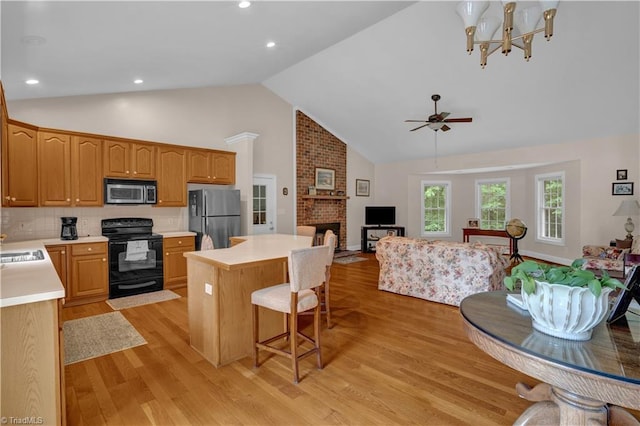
(550, 207)
(436, 208)
(259, 204)
(492, 203)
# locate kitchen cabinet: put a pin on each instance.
(88, 273)
(20, 166)
(31, 364)
(207, 166)
(54, 169)
(58, 255)
(86, 172)
(129, 160)
(174, 263)
(172, 176)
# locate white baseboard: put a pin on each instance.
(548, 258)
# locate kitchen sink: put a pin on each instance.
(21, 256)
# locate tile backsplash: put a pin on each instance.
(21, 224)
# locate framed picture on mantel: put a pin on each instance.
(325, 179)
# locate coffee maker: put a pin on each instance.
(69, 231)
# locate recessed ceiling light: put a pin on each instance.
(32, 81)
(33, 40)
(271, 44)
(138, 81)
(244, 4)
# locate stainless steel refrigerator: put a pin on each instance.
(216, 213)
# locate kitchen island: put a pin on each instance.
(219, 285)
(31, 366)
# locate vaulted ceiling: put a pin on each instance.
(358, 68)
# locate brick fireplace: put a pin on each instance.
(316, 147)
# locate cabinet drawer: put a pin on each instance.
(88, 248)
(180, 242)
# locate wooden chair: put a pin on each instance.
(307, 271)
(329, 240)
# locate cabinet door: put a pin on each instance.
(86, 171)
(143, 159)
(199, 166)
(172, 177)
(20, 162)
(174, 263)
(89, 274)
(54, 168)
(58, 255)
(117, 159)
(224, 168)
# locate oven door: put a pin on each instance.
(135, 266)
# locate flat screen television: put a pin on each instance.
(380, 215)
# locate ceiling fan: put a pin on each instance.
(438, 121)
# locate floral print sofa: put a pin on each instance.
(606, 257)
(440, 271)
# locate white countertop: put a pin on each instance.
(81, 240)
(170, 234)
(254, 249)
(28, 282)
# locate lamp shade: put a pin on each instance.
(628, 208)
(526, 20)
(470, 11)
(486, 28)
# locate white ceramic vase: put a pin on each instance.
(567, 312)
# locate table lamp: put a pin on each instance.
(628, 208)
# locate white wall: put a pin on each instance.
(201, 117)
(358, 167)
(589, 166)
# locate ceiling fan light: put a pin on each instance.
(487, 27)
(549, 4)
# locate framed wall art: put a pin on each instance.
(473, 223)
(622, 188)
(621, 174)
(325, 179)
(362, 187)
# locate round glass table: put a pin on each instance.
(585, 382)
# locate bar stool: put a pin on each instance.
(307, 270)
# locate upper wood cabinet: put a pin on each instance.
(54, 168)
(172, 176)
(205, 166)
(129, 160)
(86, 171)
(20, 166)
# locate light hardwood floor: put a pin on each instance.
(389, 359)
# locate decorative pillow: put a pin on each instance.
(623, 244)
(612, 253)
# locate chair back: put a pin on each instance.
(306, 231)
(330, 240)
(307, 267)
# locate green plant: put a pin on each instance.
(529, 271)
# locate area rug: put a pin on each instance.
(345, 253)
(348, 259)
(98, 335)
(141, 299)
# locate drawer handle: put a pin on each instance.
(167, 253)
(104, 260)
(180, 242)
(89, 249)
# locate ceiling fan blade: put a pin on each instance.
(459, 120)
(444, 128)
(415, 121)
(419, 127)
(444, 115)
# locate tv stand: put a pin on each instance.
(371, 234)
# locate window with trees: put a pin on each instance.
(492, 203)
(436, 208)
(550, 207)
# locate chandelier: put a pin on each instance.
(483, 27)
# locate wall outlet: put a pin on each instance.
(208, 288)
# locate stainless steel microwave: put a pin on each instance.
(129, 191)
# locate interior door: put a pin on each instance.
(264, 204)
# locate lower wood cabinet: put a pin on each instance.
(174, 263)
(83, 269)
